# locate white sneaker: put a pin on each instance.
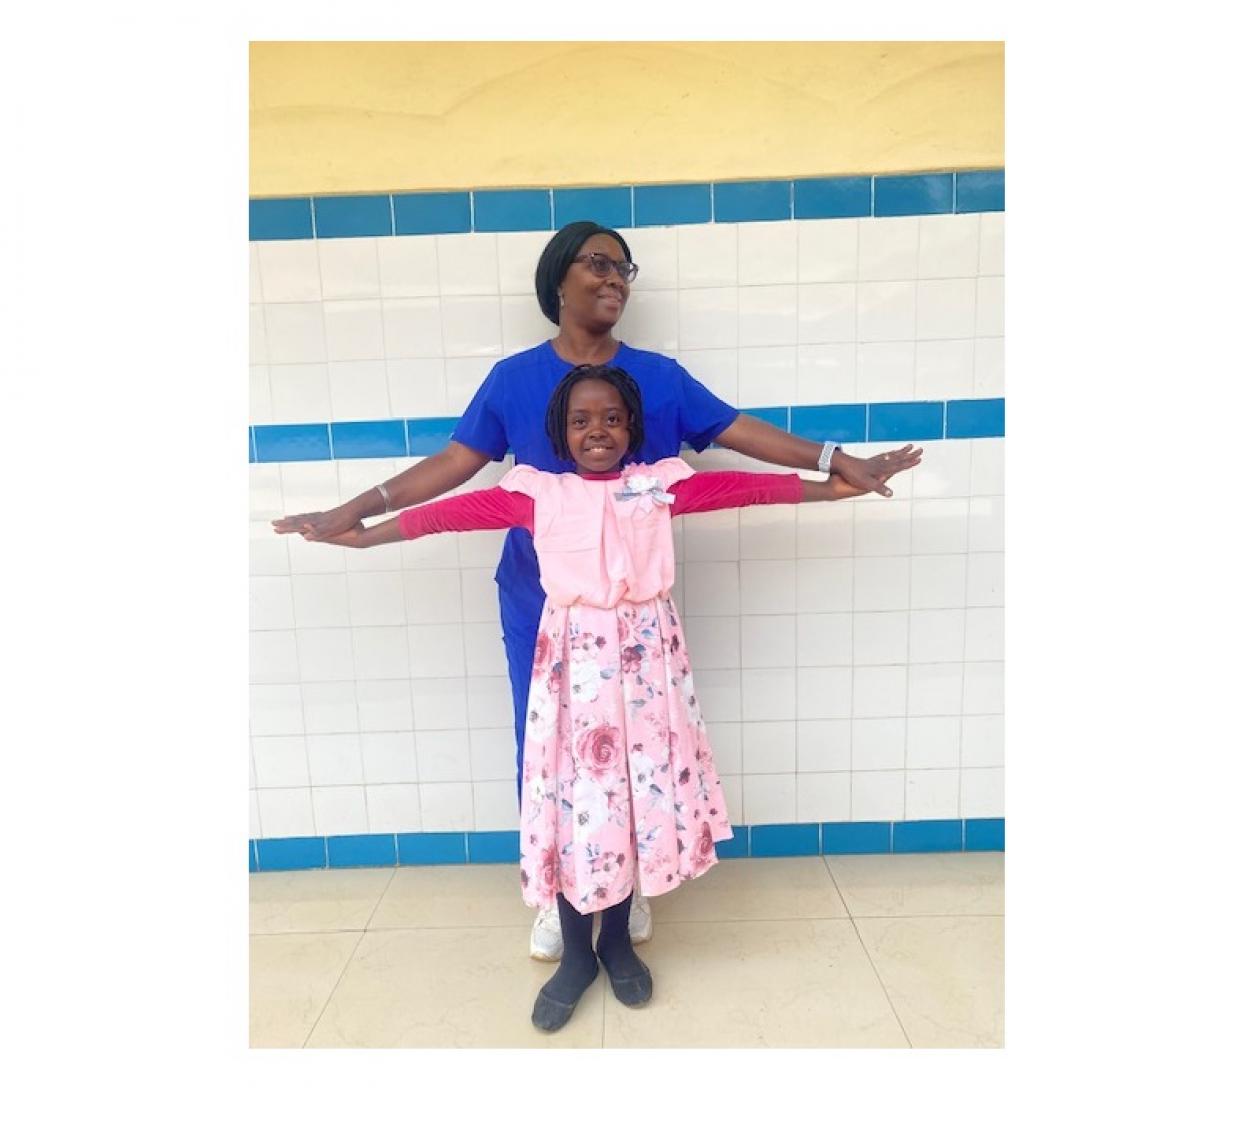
(545, 942)
(640, 919)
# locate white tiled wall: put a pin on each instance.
(848, 657)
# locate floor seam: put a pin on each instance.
(341, 976)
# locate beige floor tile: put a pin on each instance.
(453, 896)
(315, 901)
(291, 977)
(944, 975)
(756, 984)
(918, 885)
(448, 988)
(774, 889)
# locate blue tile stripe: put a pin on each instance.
(627, 206)
(757, 841)
(900, 422)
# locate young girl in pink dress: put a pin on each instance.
(619, 780)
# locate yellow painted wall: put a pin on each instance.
(365, 117)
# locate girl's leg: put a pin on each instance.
(577, 971)
(630, 977)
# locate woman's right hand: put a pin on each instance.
(317, 526)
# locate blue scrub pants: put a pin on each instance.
(520, 610)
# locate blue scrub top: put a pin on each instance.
(510, 407)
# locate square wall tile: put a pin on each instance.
(716, 369)
(988, 466)
(882, 528)
(726, 738)
(708, 318)
(888, 248)
(408, 266)
(827, 251)
(934, 689)
(429, 213)
(432, 595)
(823, 745)
(824, 585)
(354, 330)
(983, 743)
(826, 312)
(992, 243)
(447, 807)
(886, 311)
(443, 756)
(824, 692)
(325, 654)
(881, 583)
(492, 754)
(321, 601)
(770, 798)
(885, 370)
(879, 691)
(295, 333)
(949, 246)
(471, 328)
(413, 327)
(767, 315)
(415, 386)
(767, 376)
(990, 307)
(937, 635)
(348, 268)
(360, 390)
(713, 588)
(439, 703)
(494, 806)
(945, 471)
(708, 255)
(986, 525)
(752, 200)
(270, 603)
(939, 526)
(719, 694)
(650, 320)
(826, 374)
(938, 581)
(823, 797)
(944, 370)
(824, 639)
(713, 642)
(273, 657)
(300, 393)
(768, 640)
(393, 808)
(878, 796)
(384, 705)
(945, 308)
(766, 587)
(377, 599)
(280, 762)
(334, 758)
(489, 702)
(767, 253)
(933, 742)
(824, 531)
(767, 532)
(275, 710)
(880, 638)
(768, 694)
(879, 743)
(983, 687)
(983, 793)
(984, 635)
(768, 746)
(985, 579)
(331, 707)
(289, 270)
(657, 204)
(257, 335)
(655, 250)
(340, 810)
(990, 374)
(469, 263)
(389, 758)
(285, 813)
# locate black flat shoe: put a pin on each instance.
(550, 1013)
(633, 991)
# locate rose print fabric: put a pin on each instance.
(619, 779)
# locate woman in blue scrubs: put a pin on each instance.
(583, 284)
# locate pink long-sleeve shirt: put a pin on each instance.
(593, 547)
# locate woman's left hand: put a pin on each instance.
(871, 474)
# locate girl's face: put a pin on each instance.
(597, 427)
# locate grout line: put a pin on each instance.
(340, 978)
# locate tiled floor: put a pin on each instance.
(838, 951)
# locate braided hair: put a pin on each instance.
(557, 419)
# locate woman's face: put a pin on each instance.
(589, 300)
(597, 426)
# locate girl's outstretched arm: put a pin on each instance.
(481, 509)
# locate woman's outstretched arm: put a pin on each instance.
(760, 440)
(452, 466)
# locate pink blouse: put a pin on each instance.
(601, 540)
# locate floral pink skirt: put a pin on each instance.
(618, 779)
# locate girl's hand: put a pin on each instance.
(871, 474)
(352, 538)
(325, 526)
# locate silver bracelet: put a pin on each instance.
(824, 459)
(384, 495)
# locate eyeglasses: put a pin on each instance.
(603, 266)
